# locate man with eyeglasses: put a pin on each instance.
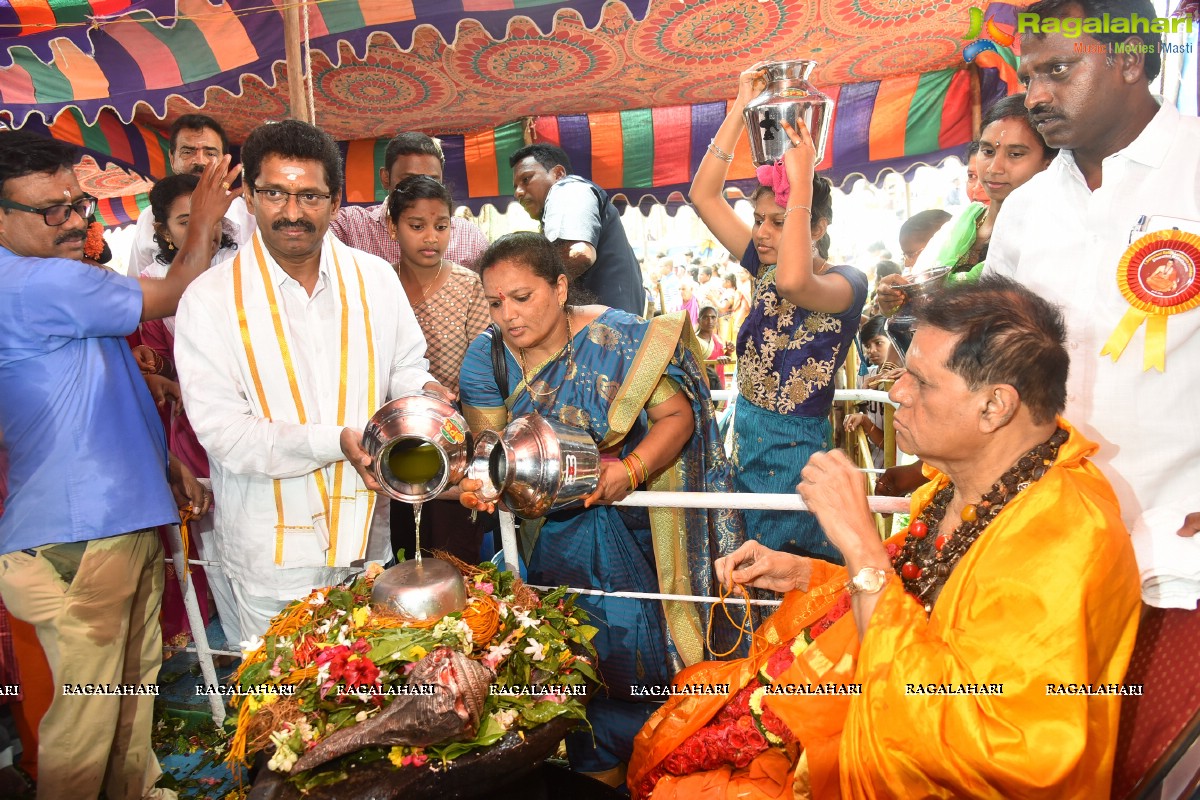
(284, 352)
(90, 477)
(197, 140)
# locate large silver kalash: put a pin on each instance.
(788, 97)
(419, 444)
(535, 466)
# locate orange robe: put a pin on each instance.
(1047, 596)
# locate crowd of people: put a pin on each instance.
(231, 372)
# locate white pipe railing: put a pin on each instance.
(839, 396)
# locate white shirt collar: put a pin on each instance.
(1149, 148)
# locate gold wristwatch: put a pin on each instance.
(869, 580)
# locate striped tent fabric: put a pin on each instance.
(117, 212)
(652, 153)
(128, 145)
(97, 54)
(476, 171)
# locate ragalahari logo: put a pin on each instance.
(997, 33)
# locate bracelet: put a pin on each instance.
(718, 152)
(796, 208)
(629, 471)
(645, 471)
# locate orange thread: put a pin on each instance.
(744, 628)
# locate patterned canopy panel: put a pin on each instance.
(445, 65)
(112, 75)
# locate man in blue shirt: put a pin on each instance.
(577, 215)
(90, 476)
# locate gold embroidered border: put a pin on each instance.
(648, 366)
(485, 418)
(339, 472)
(674, 577)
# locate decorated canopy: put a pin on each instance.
(633, 89)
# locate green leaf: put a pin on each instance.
(340, 598)
(544, 711)
(489, 733)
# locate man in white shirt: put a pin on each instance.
(284, 352)
(1129, 170)
(196, 141)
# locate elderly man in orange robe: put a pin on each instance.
(979, 653)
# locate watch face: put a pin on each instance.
(869, 580)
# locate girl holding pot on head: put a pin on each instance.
(802, 322)
(638, 389)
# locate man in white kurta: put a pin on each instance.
(284, 353)
(1129, 170)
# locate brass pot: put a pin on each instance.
(788, 97)
(425, 589)
(419, 444)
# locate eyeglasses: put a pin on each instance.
(59, 213)
(278, 197)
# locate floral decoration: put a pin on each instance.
(331, 660)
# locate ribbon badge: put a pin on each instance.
(1159, 275)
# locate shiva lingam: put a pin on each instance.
(535, 466)
(788, 97)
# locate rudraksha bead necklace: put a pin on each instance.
(925, 563)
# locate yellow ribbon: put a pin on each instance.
(1120, 337)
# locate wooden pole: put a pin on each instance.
(294, 67)
(976, 101)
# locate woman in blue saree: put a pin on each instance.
(639, 390)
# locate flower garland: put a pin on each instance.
(331, 660)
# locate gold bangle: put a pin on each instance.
(629, 472)
(718, 152)
(645, 470)
(796, 208)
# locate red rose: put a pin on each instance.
(756, 740)
(781, 659)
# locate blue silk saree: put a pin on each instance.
(622, 365)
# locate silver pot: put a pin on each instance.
(418, 444)
(538, 465)
(428, 588)
(487, 451)
(788, 97)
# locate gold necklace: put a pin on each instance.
(436, 278)
(537, 395)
